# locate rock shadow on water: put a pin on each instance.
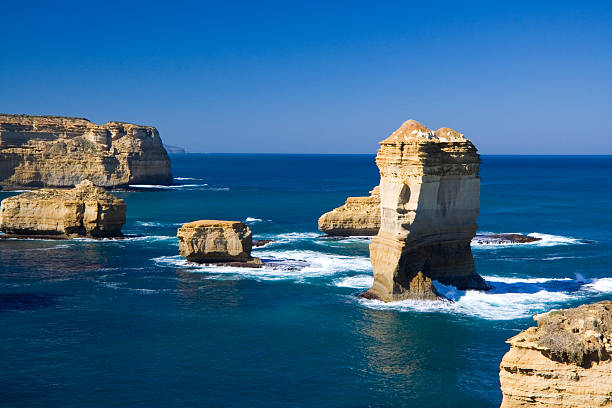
(26, 301)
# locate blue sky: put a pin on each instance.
(319, 77)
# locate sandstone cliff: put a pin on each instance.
(85, 210)
(358, 216)
(563, 362)
(430, 200)
(219, 242)
(47, 151)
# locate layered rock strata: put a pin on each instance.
(563, 362)
(358, 216)
(84, 211)
(430, 200)
(48, 151)
(217, 242)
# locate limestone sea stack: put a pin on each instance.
(430, 200)
(217, 242)
(563, 362)
(358, 216)
(84, 211)
(51, 151)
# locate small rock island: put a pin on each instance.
(358, 216)
(430, 200)
(84, 211)
(54, 151)
(217, 242)
(563, 362)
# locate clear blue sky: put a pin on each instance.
(319, 77)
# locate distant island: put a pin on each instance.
(175, 149)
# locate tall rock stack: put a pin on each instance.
(430, 200)
(52, 151)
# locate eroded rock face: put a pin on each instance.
(358, 216)
(563, 362)
(84, 211)
(45, 151)
(212, 241)
(430, 200)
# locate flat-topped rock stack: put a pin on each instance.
(51, 151)
(217, 242)
(358, 216)
(84, 211)
(563, 362)
(430, 200)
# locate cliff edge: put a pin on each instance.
(53, 151)
(563, 362)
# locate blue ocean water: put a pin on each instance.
(88, 323)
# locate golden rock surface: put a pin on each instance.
(358, 216)
(51, 151)
(429, 203)
(214, 241)
(563, 362)
(84, 211)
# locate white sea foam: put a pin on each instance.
(159, 224)
(163, 187)
(147, 238)
(522, 280)
(289, 237)
(602, 285)
(486, 305)
(187, 178)
(279, 265)
(251, 219)
(357, 282)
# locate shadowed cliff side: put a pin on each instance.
(52, 151)
(430, 200)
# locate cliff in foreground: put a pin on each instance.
(52, 151)
(563, 362)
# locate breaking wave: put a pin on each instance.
(159, 224)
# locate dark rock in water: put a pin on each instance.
(261, 242)
(504, 239)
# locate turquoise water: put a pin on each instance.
(127, 323)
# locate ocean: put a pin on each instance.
(128, 323)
